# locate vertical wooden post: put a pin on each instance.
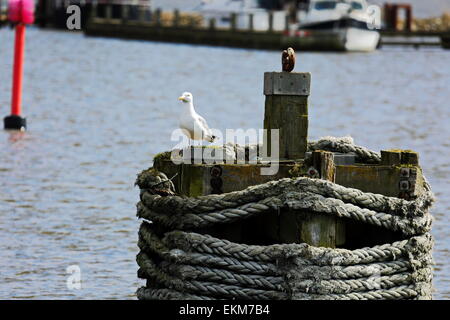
(408, 23)
(270, 21)
(250, 22)
(233, 21)
(323, 162)
(286, 109)
(321, 230)
(395, 16)
(176, 18)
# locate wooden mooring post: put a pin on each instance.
(286, 109)
(319, 229)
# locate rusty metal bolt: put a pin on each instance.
(312, 172)
(404, 185)
(404, 172)
(216, 171)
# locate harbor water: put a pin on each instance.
(98, 110)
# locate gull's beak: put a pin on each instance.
(181, 99)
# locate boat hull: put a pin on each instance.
(344, 35)
(361, 40)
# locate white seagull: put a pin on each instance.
(191, 123)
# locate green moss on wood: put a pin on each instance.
(298, 170)
(160, 158)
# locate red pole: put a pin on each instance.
(19, 48)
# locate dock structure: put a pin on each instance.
(136, 19)
(181, 28)
(53, 13)
(335, 221)
(142, 23)
(391, 16)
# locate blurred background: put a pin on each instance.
(101, 101)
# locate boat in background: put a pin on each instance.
(349, 25)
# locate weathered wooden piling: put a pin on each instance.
(286, 110)
(334, 197)
(321, 230)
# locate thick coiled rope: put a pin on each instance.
(179, 262)
(345, 145)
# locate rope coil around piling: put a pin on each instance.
(181, 263)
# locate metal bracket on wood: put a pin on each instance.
(287, 83)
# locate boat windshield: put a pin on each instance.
(325, 5)
(357, 5)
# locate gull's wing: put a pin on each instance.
(203, 123)
(208, 136)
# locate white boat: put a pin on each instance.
(221, 10)
(350, 25)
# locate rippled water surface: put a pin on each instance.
(98, 110)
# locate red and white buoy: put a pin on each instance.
(21, 13)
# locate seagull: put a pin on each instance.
(191, 123)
